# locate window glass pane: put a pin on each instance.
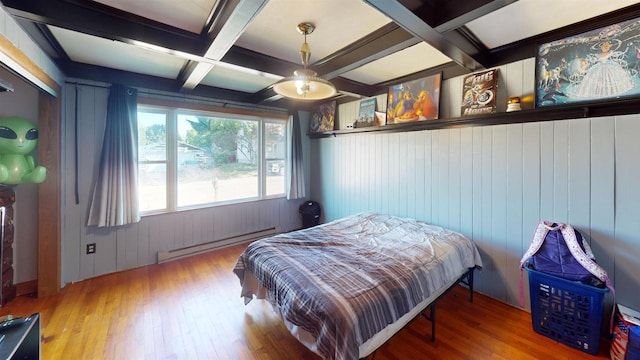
(217, 159)
(152, 180)
(275, 150)
(152, 136)
(152, 147)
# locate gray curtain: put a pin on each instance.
(295, 175)
(115, 194)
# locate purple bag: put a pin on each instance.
(555, 258)
(560, 250)
(633, 347)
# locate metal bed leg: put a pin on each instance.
(470, 284)
(431, 317)
(432, 314)
(467, 279)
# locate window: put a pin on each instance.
(190, 159)
(152, 160)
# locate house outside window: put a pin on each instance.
(191, 159)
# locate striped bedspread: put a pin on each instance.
(346, 280)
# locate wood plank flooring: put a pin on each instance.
(191, 309)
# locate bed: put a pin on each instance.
(345, 287)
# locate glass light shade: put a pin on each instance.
(304, 85)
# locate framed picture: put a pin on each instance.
(479, 93)
(414, 100)
(366, 113)
(597, 65)
(323, 118)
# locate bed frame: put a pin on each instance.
(465, 279)
(469, 259)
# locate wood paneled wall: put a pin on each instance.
(137, 245)
(495, 183)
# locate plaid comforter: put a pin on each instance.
(346, 280)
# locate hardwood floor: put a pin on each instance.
(191, 309)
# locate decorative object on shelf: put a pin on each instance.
(323, 118)
(381, 118)
(513, 104)
(414, 100)
(305, 84)
(597, 65)
(366, 113)
(479, 93)
(18, 138)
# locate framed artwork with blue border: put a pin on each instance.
(598, 65)
(366, 115)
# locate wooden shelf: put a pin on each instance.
(608, 108)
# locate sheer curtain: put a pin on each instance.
(295, 176)
(115, 194)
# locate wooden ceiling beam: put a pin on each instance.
(227, 23)
(385, 41)
(452, 15)
(106, 22)
(102, 74)
(425, 32)
(442, 24)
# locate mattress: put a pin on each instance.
(345, 287)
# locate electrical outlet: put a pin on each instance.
(91, 248)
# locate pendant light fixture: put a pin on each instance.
(305, 84)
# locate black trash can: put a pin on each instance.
(311, 212)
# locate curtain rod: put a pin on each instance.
(84, 84)
(222, 103)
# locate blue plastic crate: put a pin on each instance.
(567, 311)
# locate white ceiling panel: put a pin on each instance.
(408, 61)
(190, 15)
(93, 50)
(526, 18)
(338, 23)
(239, 79)
(348, 35)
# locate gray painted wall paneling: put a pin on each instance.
(495, 183)
(137, 245)
(627, 203)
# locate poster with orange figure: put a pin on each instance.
(414, 100)
(479, 93)
(323, 118)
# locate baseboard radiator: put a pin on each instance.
(164, 256)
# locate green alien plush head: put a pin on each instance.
(18, 138)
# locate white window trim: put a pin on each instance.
(171, 109)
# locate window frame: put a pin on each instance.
(174, 108)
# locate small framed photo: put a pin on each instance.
(366, 113)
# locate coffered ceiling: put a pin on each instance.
(236, 50)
